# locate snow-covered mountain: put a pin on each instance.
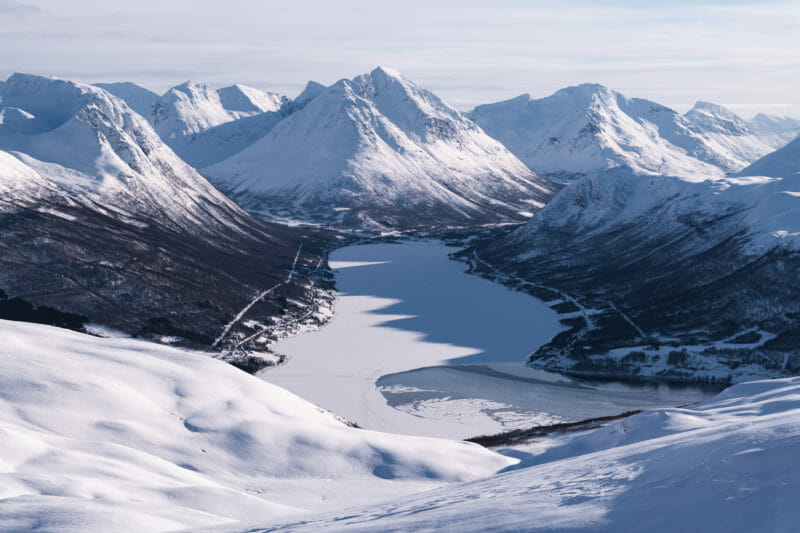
(191, 108)
(311, 91)
(784, 162)
(102, 219)
(725, 465)
(138, 98)
(125, 435)
(204, 126)
(220, 142)
(379, 151)
(728, 136)
(239, 98)
(662, 277)
(96, 149)
(590, 128)
(775, 130)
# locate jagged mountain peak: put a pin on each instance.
(587, 90)
(717, 119)
(94, 148)
(190, 108)
(311, 91)
(242, 98)
(377, 147)
(702, 106)
(590, 128)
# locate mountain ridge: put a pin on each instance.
(590, 128)
(382, 151)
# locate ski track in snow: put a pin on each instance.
(627, 319)
(286, 326)
(257, 299)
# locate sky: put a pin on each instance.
(745, 55)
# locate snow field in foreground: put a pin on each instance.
(124, 435)
(729, 465)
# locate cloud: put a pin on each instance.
(13, 7)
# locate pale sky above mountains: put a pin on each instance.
(745, 55)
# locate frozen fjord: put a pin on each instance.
(446, 348)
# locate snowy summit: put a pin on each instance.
(383, 152)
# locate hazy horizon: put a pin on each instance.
(744, 55)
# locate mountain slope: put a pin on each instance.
(93, 146)
(220, 142)
(104, 220)
(379, 151)
(784, 162)
(138, 98)
(204, 126)
(239, 98)
(311, 91)
(661, 277)
(125, 435)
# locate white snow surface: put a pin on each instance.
(728, 464)
(125, 435)
(590, 128)
(377, 140)
(90, 147)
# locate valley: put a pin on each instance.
(366, 309)
(418, 346)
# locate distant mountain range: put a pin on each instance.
(379, 152)
(590, 128)
(652, 243)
